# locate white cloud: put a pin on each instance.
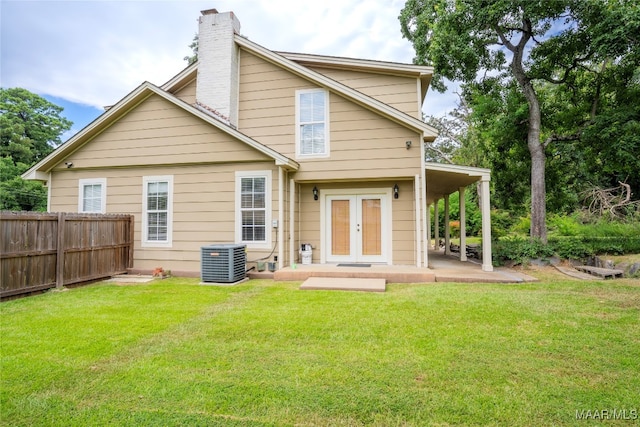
(95, 52)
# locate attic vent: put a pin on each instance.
(223, 263)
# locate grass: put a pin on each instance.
(264, 353)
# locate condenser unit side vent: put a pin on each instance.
(223, 263)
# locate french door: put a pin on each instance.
(356, 228)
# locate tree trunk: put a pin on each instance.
(536, 148)
(538, 189)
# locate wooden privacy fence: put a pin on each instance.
(44, 250)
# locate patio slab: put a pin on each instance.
(344, 284)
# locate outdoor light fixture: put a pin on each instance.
(69, 164)
(396, 191)
(315, 193)
(408, 144)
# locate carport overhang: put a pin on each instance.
(442, 180)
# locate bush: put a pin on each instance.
(571, 248)
(520, 250)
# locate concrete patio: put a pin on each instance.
(442, 268)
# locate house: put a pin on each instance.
(267, 149)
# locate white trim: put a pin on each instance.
(463, 224)
(416, 188)
(386, 219)
(144, 241)
(426, 221)
(292, 222)
(266, 244)
(327, 131)
(49, 183)
(103, 193)
(487, 257)
(280, 230)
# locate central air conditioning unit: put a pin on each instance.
(223, 263)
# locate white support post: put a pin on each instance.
(463, 226)
(418, 221)
(447, 228)
(487, 262)
(436, 227)
(280, 229)
(292, 222)
(428, 244)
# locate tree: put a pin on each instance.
(31, 129)
(194, 51)
(529, 43)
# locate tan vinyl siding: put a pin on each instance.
(157, 132)
(397, 91)
(187, 93)
(363, 145)
(203, 207)
(267, 103)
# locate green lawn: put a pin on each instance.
(262, 353)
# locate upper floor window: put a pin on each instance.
(312, 123)
(92, 195)
(157, 200)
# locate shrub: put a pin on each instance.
(520, 250)
(571, 248)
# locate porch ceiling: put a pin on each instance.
(445, 179)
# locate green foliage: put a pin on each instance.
(571, 248)
(579, 66)
(31, 126)
(31, 129)
(520, 250)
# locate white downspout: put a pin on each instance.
(280, 230)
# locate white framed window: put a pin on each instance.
(253, 208)
(92, 195)
(312, 123)
(157, 211)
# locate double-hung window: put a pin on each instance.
(253, 208)
(312, 123)
(92, 195)
(157, 199)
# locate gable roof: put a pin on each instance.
(429, 132)
(295, 63)
(421, 72)
(145, 90)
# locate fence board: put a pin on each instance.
(44, 250)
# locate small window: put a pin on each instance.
(253, 208)
(92, 195)
(157, 210)
(312, 123)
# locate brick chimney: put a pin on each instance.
(217, 81)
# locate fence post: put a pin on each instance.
(60, 252)
(132, 221)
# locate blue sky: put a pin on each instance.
(84, 55)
